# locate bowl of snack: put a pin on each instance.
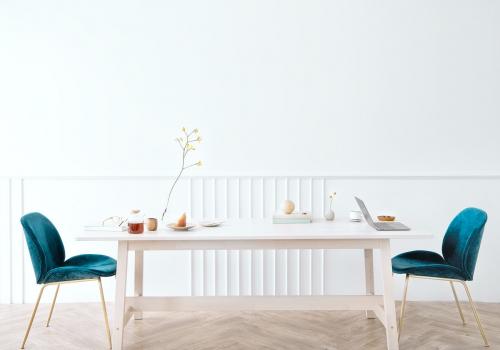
(386, 218)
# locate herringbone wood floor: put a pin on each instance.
(428, 326)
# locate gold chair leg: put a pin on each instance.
(457, 302)
(476, 315)
(32, 317)
(53, 304)
(403, 304)
(103, 304)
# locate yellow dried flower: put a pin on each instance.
(185, 145)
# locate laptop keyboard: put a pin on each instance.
(390, 225)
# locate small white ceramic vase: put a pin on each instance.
(330, 214)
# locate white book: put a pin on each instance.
(104, 228)
(284, 221)
(293, 216)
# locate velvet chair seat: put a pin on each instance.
(460, 249)
(49, 258)
(85, 266)
(425, 263)
(51, 266)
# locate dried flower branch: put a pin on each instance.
(332, 196)
(186, 143)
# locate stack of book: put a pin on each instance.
(293, 218)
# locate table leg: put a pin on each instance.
(138, 279)
(120, 292)
(391, 330)
(369, 278)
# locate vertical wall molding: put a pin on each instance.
(11, 227)
(23, 245)
(16, 244)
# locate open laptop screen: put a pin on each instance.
(364, 210)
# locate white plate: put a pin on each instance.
(180, 228)
(211, 223)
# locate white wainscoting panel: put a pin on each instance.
(428, 202)
(5, 241)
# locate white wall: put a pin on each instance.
(287, 87)
(316, 88)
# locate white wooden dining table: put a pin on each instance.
(257, 234)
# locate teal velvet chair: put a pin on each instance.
(456, 265)
(51, 267)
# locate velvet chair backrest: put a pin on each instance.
(463, 238)
(44, 243)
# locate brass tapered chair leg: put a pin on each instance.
(103, 304)
(457, 302)
(403, 304)
(53, 304)
(32, 317)
(476, 314)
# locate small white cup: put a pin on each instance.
(355, 215)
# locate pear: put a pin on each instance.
(181, 222)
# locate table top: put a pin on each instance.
(258, 230)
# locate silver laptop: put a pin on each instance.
(380, 226)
